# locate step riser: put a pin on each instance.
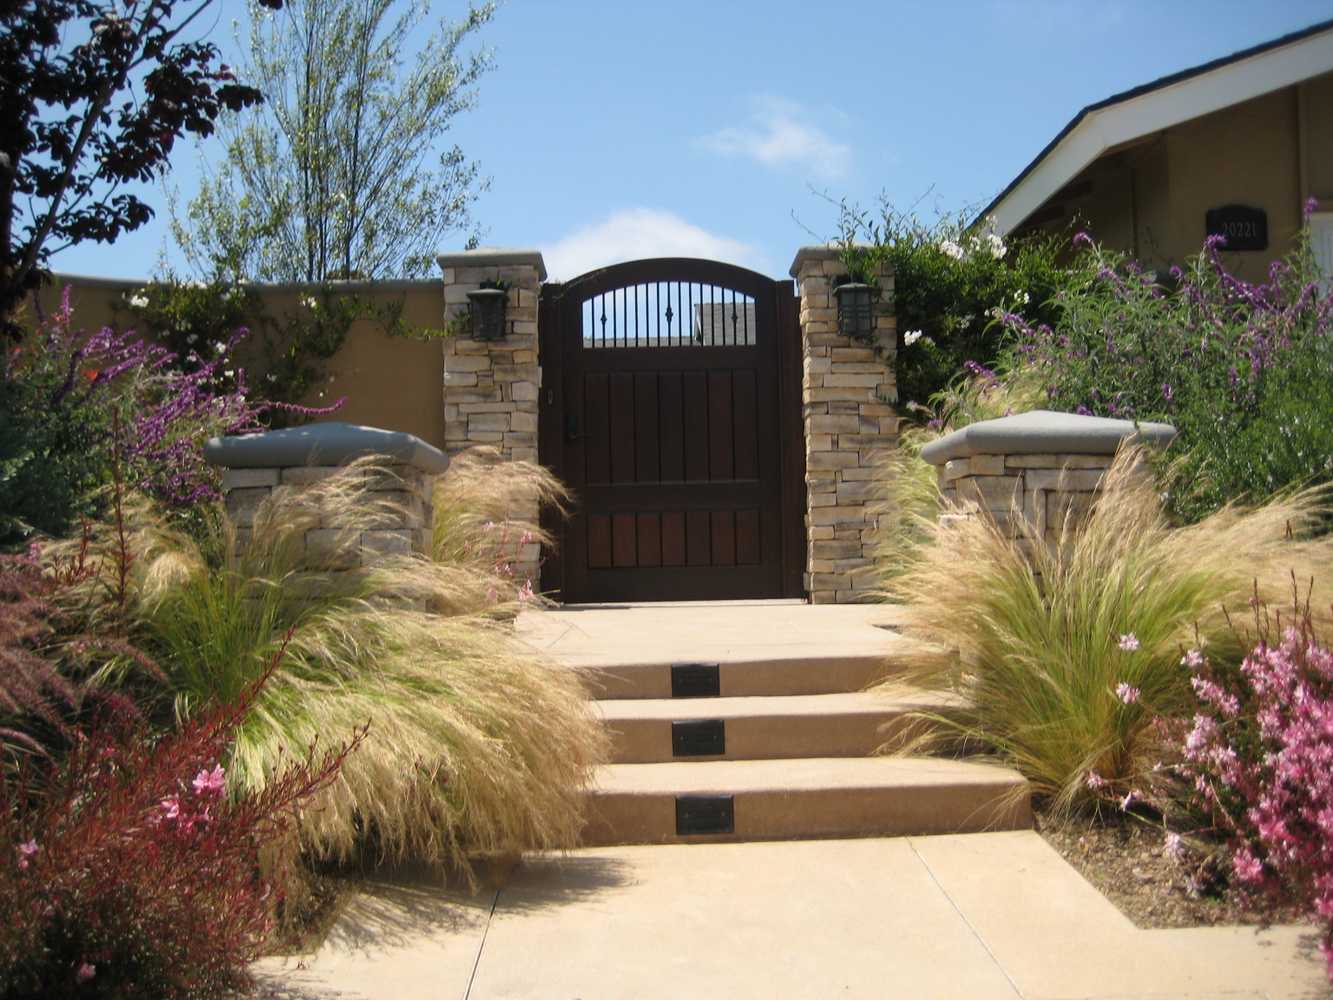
(794, 815)
(742, 679)
(648, 741)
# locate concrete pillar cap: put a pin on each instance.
(1045, 432)
(495, 257)
(331, 443)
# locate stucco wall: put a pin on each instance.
(389, 381)
(1150, 198)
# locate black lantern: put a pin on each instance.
(487, 306)
(856, 310)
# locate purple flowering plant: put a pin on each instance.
(63, 393)
(1244, 370)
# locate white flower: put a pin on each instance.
(219, 346)
(995, 245)
(309, 301)
(230, 372)
(139, 301)
(951, 249)
(1129, 642)
(911, 337)
(1022, 298)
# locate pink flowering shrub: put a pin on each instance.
(128, 870)
(1260, 754)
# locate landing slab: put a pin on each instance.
(976, 917)
(714, 631)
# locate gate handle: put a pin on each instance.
(572, 428)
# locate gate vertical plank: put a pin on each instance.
(745, 405)
(599, 541)
(673, 538)
(645, 428)
(623, 545)
(724, 538)
(622, 427)
(671, 426)
(747, 537)
(720, 427)
(696, 427)
(650, 540)
(699, 547)
(596, 427)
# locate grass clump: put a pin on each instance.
(475, 745)
(1067, 653)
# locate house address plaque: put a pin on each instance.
(1243, 227)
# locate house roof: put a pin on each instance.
(1158, 105)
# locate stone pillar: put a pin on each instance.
(256, 464)
(848, 396)
(491, 387)
(1033, 471)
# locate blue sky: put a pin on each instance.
(616, 130)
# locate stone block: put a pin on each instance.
(236, 479)
(467, 362)
(835, 549)
(241, 504)
(831, 581)
(819, 442)
(523, 390)
(331, 548)
(520, 421)
(992, 492)
(1057, 461)
(375, 544)
(841, 423)
(828, 395)
(869, 380)
(460, 378)
(305, 475)
(987, 465)
(823, 533)
(831, 460)
(853, 354)
(1063, 479)
(860, 492)
(487, 422)
(823, 499)
(838, 515)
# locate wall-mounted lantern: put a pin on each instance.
(856, 309)
(487, 309)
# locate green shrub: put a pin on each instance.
(951, 286)
(1065, 657)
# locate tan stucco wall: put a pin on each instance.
(1150, 198)
(390, 381)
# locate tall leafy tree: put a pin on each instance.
(339, 174)
(93, 95)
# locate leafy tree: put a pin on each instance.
(93, 95)
(332, 177)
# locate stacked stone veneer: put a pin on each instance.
(491, 387)
(848, 402)
(399, 487)
(1034, 472)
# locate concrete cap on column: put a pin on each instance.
(332, 443)
(1045, 432)
(494, 257)
(817, 254)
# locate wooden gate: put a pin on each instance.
(671, 407)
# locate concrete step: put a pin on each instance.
(811, 797)
(803, 673)
(821, 725)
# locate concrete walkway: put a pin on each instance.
(959, 917)
(972, 917)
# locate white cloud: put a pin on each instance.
(634, 233)
(781, 133)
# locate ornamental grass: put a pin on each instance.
(1067, 656)
(475, 746)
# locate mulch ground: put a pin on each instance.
(1126, 861)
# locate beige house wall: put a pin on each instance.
(391, 382)
(1150, 197)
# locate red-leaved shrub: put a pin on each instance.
(127, 870)
(1260, 753)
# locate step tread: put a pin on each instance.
(807, 774)
(772, 706)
